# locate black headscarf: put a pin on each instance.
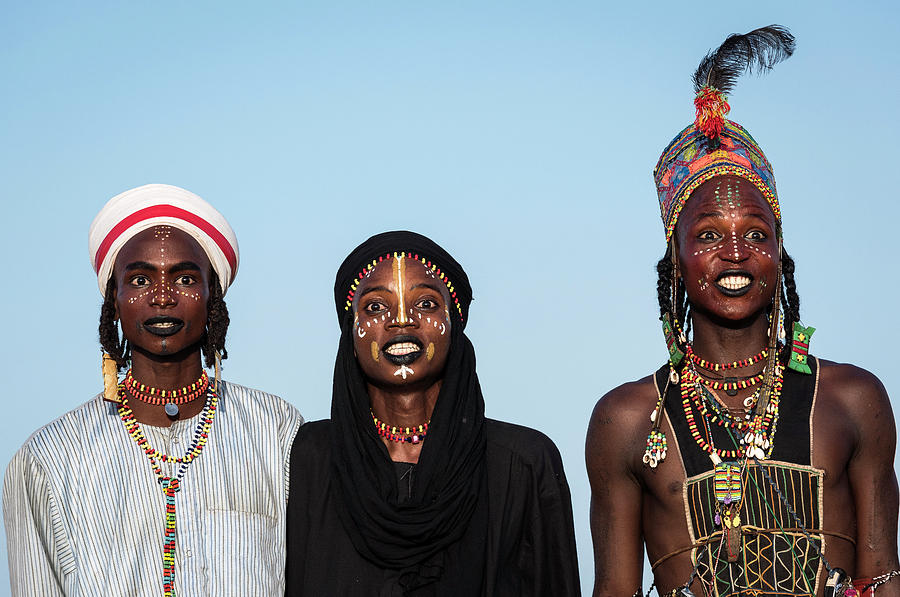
(449, 478)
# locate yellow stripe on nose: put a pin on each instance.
(399, 275)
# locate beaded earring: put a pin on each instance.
(800, 348)
(110, 379)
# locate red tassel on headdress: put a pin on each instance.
(712, 106)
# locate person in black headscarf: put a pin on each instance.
(408, 490)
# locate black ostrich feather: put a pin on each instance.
(759, 51)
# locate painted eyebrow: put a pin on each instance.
(758, 214)
(373, 289)
(184, 266)
(426, 285)
(139, 265)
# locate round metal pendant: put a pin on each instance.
(172, 409)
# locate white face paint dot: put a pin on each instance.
(404, 371)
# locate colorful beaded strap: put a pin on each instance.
(170, 485)
(159, 397)
(410, 435)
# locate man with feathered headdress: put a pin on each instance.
(766, 471)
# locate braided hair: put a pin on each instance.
(213, 340)
(665, 269)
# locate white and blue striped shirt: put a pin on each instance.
(85, 515)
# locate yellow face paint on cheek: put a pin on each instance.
(375, 352)
(429, 352)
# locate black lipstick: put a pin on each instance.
(163, 326)
(402, 359)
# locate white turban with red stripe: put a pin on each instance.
(134, 211)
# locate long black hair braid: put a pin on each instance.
(109, 331)
(790, 301)
(216, 326)
(665, 269)
(216, 323)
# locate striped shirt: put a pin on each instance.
(85, 515)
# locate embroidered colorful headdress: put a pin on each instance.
(713, 145)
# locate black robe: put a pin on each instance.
(529, 542)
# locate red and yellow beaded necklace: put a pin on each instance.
(171, 484)
(411, 435)
(730, 385)
(159, 397)
(710, 366)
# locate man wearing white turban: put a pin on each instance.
(168, 482)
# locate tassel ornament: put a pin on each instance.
(110, 380)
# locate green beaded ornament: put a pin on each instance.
(800, 349)
(676, 355)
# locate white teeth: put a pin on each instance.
(167, 324)
(734, 282)
(402, 348)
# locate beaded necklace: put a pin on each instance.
(756, 433)
(731, 386)
(410, 435)
(720, 410)
(156, 396)
(709, 366)
(170, 485)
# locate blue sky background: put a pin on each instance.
(519, 135)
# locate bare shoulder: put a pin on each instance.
(851, 384)
(853, 392)
(629, 400)
(621, 419)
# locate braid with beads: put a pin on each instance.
(790, 300)
(216, 323)
(109, 330)
(666, 270)
(214, 339)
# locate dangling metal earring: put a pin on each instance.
(110, 379)
(218, 371)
